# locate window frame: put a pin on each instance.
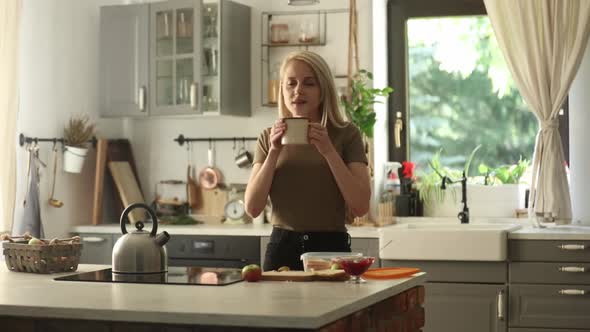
(398, 13)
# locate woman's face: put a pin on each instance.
(301, 90)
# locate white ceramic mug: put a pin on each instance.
(296, 132)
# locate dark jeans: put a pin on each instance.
(285, 247)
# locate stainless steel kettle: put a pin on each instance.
(140, 251)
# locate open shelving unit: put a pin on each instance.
(312, 24)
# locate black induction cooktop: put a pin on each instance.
(176, 275)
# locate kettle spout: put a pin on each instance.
(162, 238)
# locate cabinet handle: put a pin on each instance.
(571, 246)
(93, 239)
(194, 95)
(141, 98)
(572, 269)
(501, 305)
(399, 124)
(572, 292)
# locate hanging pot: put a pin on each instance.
(210, 177)
(74, 159)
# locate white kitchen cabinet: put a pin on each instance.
(549, 285)
(463, 296)
(123, 60)
(177, 57)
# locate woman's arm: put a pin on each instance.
(352, 179)
(353, 182)
(259, 184)
(262, 173)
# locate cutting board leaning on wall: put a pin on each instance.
(127, 187)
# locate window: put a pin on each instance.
(461, 95)
(452, 88)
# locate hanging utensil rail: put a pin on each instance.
(181, 139)
(22, 139)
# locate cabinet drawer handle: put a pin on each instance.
(571, 246)
(501, 305)
(572, 292)
(194, 93)
(572, 269)
(93, 239)
(142, 98)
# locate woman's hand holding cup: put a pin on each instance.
(318, 136)
(276, 134)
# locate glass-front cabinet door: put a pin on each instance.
(176, 56)
(211, 56)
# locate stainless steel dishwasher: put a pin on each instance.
(213, 250)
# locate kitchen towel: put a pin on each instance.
(31, 219)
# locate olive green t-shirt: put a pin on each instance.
(304, 193)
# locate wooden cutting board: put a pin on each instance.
(212, 202)
(287, 276)
(323, 275)
(128, 188)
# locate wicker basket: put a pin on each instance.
(22, 257)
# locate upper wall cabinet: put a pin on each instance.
(194, 57)
(123, 60)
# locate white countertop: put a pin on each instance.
(212, 229)
(552, 232)
(526, 232)
(279, 304)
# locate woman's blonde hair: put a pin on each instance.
(328, 96)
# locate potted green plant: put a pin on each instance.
(77, 133)
(505, 174)
(502, 190)
(359, 106)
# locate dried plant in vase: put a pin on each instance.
(78, 131)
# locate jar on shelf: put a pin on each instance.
(279, 33)
(307, 32)
(184, 27)
(273, 85)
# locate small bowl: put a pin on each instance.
(355, 266)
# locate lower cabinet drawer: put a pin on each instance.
(548, 251)
(96, 248)
(550, 273)
(545, 306)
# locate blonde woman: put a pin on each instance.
(309, 185)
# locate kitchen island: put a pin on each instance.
(36, 302)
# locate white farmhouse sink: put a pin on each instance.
(445, 241)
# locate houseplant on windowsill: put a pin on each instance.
(435, 199)
(359, 106)
(503, 188)
(78, 131)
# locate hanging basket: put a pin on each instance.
(74, 159)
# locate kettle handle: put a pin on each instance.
(133, 206)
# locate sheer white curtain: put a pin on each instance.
(543, 42)
(9, 27)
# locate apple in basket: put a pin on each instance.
(251, 273)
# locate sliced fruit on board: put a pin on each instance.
(390, 273)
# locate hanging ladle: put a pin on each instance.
(53, 201)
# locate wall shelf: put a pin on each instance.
(309, 26)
